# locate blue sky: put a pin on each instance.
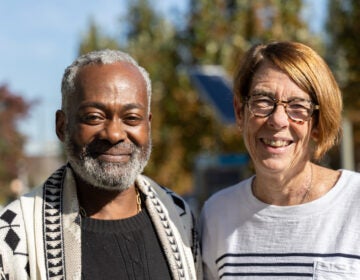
(39, 39)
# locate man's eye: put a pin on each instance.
(91, 118)
(133, 120)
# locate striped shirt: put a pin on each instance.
(244, 238)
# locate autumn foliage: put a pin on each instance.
(12, 108)
(211, 33)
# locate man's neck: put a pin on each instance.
(103, 204)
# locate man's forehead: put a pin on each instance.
(106, 83)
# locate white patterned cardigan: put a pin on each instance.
(40, 233)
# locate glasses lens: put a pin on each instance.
(260, 105)
(299, 110)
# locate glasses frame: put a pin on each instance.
(284, 103)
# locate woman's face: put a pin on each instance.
(275, 143)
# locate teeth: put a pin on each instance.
(276, 143)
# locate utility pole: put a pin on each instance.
(347, 145)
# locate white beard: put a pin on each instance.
(107, 175)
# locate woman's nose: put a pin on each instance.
(279, 118)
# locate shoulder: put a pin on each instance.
(23, 202)
(173, 218)
(229, 194)
(10, 212)
(350, 175)
(19, 212)
(348, 179)
(171, 200)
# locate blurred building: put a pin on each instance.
(39, 165)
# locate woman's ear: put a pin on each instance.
(315, 134)
(60, 124)
(238, 109)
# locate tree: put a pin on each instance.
(12, 108)
(95, 40)
(343, 27)
(217, 32)
(220, 31)
(182, 124)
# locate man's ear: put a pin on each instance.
(60, 125)
(238, 109)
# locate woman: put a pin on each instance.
(294, 219)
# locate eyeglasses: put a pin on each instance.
(297, 109)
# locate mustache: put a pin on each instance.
(98, 147)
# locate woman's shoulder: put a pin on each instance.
(230, 193)
(339, 183)
(349, 177)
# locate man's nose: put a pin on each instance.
(114, 131)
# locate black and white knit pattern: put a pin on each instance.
(52, 226)
(169, 233)
(12, 240)
(41, 214)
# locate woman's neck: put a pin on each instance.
(298, 187)
(282, 189)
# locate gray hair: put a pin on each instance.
(97, 57)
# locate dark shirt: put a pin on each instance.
(122, 249)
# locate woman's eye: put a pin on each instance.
(263, 103)
(299, 105)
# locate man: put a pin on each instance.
(97, 217)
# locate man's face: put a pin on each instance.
(107, 135)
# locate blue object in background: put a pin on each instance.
(214, 88)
